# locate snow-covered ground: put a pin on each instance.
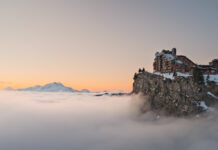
(82, 121)
(212, 78)
(170, 76)
(211, 94)
(203, 105)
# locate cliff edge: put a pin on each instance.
(180, 96)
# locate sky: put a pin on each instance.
(99, 44)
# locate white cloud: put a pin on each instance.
(68, 121)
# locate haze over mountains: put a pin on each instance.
(50, 87)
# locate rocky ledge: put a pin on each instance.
(180, 96)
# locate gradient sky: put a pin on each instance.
(99, 44)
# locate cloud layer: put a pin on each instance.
(66, 121)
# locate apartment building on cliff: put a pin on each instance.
(168, 61)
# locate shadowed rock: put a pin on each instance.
(179, 97)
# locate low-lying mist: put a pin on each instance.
(70, 121)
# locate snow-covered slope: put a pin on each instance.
(212, 77)
(51, 87)
(170, 75)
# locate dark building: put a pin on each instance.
(214, 63)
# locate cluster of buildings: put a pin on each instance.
(168, 61)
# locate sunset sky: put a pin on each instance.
(99, 44)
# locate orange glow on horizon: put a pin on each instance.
(96, 86)
(126, 87)
(89, 80)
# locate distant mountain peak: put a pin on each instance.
(85, 91)
(51, 87)
(55, 83)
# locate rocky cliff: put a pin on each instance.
(180, 96)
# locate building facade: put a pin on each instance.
(168, 61)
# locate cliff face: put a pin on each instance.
(179, 97)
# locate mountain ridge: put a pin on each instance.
(52, 87)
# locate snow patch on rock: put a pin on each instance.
(211, 94)
(203, 105)
(170, 75)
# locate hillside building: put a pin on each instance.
(168, 61)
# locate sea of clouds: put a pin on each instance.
(73, 121)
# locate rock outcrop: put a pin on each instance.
(180, 96)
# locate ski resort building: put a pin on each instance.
(168, 61)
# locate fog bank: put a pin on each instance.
(66, 121)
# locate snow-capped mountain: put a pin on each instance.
(51, 87)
